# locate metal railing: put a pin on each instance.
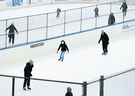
(45, 26)
(121, 83)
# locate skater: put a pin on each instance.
(105, 41)
(11, 34)
(111, 19)
(63, 47)
(27, 74)
(69, 93)
(124, 8)
(58, 12)
(96, 11)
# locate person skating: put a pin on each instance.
(58, 12)
(96, 11)
(64, 48)
(69, 93)
(124, 8)
(27, 74)
(105, 41)
(111, 19)
(11, 34)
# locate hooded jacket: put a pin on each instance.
(63, 47)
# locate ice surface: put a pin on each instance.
(84, 64)
(79, 65)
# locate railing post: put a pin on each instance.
(27, 29)
(46, 25)
(84, 88)
(13, 86)
(81, 21)
(64, 21)
(101, 85)
(6, 35)
(110, 8)
(96, 20)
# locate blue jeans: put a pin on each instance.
(62, 54)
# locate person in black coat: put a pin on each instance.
(27, 74)
(124, 8)
(105, 41)
(96, 11)
(64, 48)
(111, 19)
(69, 93)
(11, 34)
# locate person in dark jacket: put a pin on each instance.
(69, 93)
(105, 41)
(124, 8)
(11, 34)
(64, 48)
(96, 11)
(27, 74)
(111, 19)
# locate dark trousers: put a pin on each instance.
(124, 13)
(26, 81)
(96, 14)
(104, 46)
(12, 40)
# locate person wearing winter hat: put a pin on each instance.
(69, 93)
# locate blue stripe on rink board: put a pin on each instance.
(64, 35)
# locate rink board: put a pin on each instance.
(23, 53)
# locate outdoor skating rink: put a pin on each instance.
(82, 64)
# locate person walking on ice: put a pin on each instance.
(27, 74)
(11, 34)
(105, 41)
(124, 8)
(58, 12)
(64, 48)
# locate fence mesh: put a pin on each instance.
(122, 85)
(5, 86)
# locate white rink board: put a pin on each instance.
(24, 53)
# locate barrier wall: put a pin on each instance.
(24, 53)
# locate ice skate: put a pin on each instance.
(59, 59)
(62, 60)
(103, 54)
(24, 88)
(28, 88)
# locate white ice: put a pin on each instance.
(83, 64)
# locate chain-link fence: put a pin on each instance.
(39, 87)
(121, 83)
(45, 26)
